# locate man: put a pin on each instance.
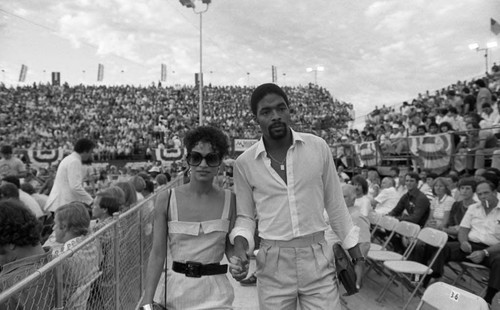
(478, 238)
(414, 202)
(10, 165)
(21, 254)
(286, 180)
(68, 184)
(25, 198)
(388, 197)
(483, 95)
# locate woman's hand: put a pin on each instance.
(238, 268)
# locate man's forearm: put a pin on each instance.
(463, 235)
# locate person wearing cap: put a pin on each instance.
(287, 180)
(10, 165)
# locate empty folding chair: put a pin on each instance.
(444, 296)
(405, 230)
(401, 268)
(386, 224)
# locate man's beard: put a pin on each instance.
(278, 134)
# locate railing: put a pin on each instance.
(70, 282)
(438, 152)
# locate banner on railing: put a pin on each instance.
(432, 152)
(167, 156)
(368, 153)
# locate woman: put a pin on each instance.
(440, 205)
(362, 201)
(102, 290)
(374, 183)
(71, 227)
(195, 218)
(467, 188)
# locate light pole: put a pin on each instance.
(315, 70)
(190, 4)
(489, 45)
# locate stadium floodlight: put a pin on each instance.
(315, 70)
(473, 46)
(492, 44)
(197, 10)
(489, 45)
(187, 3)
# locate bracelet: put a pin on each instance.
(146, 307)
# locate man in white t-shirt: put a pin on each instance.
(388, 197)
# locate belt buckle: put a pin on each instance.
(193, 269)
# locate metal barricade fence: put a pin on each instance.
(74, 281)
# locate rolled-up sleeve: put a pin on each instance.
(245, 208)
(339, 218)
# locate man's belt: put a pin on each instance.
(196, 270)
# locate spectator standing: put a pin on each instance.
(68, 184)
(469, 101)
(10, 165)
(286, 180)
(483, 95)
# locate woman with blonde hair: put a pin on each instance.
(440, 205)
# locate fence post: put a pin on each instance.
(141, 250)
(59, 286)
(116, 249)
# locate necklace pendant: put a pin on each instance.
(282, 167)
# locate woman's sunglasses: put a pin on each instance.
(195, 159)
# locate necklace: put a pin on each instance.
(282, 163)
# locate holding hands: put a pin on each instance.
(238, 267)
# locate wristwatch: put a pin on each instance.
(358, 259)
(486, 253)
(146, 307)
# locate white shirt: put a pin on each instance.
(386, 200)
(363, 205)
(483, 228)
(31, 203)
(68, 184)
(289, 210)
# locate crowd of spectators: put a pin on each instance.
(126, 120)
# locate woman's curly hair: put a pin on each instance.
(207, 134)
(18, 225)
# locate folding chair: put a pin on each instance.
(430, 236)
(477, 275)
(403, 229)
(386, 223)
(444, 296)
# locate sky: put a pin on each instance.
(373, 53)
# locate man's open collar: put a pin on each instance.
(261, 147)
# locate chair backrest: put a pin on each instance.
(388, 223)
(374, 217)
(434, 237)
(444, 296)
(407, 229)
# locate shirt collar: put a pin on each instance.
(262, 149)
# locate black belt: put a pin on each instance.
(196, 270)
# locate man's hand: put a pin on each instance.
(466, 247)
(477, 256)
(238, 262)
